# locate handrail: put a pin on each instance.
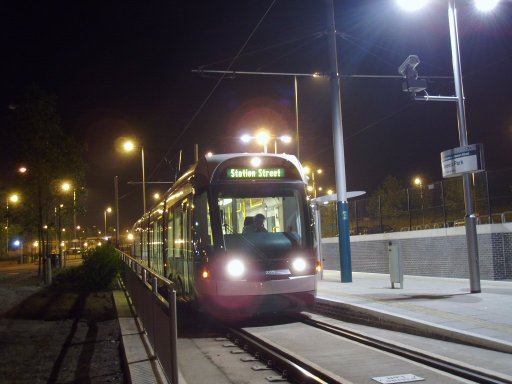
(149, 319)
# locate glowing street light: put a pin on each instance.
(66, 186)
(108, 210)
(263, 138)
(129, 146)
(419, 183)
(309, 171)
(14, 198)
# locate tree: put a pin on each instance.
(393, 198)
(50, 155)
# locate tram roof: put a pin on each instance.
(207, 165)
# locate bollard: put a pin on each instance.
(396, 273)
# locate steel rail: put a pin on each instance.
(290, 367)
(422, 358)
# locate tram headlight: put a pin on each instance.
(298, 265)
(235, 268)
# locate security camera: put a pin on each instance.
(408, 70)
(409, 65)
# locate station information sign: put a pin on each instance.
(460, 160)
(255, 173)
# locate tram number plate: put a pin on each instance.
(405, 378)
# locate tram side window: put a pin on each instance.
(170, 234)
(201, 217)
(178, 232)
(156, 256)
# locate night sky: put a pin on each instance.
(121, 69)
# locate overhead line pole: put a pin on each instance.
(339, 151)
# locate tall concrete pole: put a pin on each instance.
(339, 151)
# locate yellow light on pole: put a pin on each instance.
(129, 146)
(108, 210)
(14, 198)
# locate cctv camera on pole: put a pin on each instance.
(407, 69)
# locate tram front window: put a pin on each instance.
(263, 221)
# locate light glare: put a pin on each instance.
(128, 146)
(411, 5)
(299, 264)
(255, 161)
(486, 5)
(235, 268)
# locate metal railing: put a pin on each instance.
(156, 313)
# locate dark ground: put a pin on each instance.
(50, 335)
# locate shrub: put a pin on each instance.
(100, 267)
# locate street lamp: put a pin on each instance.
(129, 146)
(66, 187)
(14, 199)
(263, 138)
(108, 210)
(419, 183)
(307, 171)
(470, 217)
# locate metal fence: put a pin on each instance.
(157, 314)
(431, 205)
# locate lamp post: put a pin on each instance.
(419, 183)
(66, 187)
(108, 210)
(314, 189)
(13, 198)
(470, 217)
(129, 146)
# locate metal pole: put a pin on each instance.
(297, 116)
(116, 193)
(105, 216)
(74, 216)
(144, 198)
(444, 203)
(143, 181)
(339, 152)
(470, 218)
(409, 208)
(173, 325)
(318, 229)
(7, 228)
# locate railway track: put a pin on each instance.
(294, 365)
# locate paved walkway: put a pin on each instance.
(432, 305)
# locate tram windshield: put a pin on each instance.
(262, 220)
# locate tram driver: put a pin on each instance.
(256, 226)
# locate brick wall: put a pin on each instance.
(434, 252)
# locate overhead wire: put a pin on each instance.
(217, 84)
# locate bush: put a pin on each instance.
(100, 267)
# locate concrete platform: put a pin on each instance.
(430, 306)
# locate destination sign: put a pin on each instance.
(255, 173)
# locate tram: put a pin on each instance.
(202, 235)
